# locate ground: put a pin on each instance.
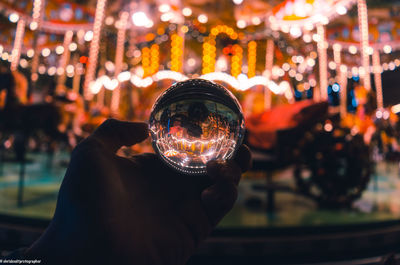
(380, 202)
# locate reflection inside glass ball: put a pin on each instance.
(190, 129)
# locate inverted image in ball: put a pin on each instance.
(196, 121)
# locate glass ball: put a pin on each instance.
(193, 122)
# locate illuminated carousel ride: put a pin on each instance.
(301, 70)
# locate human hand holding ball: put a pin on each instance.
(138, 210)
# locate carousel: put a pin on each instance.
(317, 82)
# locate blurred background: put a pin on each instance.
(318, 80)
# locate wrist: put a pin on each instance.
(57, 246)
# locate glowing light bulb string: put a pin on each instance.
(64, 61)
(37, 15)
(269, 62)
(363, 26)
(377, 79)
(16, 52)
(94, 47)
(322, 94)
(119, 57)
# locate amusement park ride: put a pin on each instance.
(308, 74)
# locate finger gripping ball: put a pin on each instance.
(196, 121)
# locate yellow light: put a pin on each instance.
(396, 108)
(176, 53)
(46, 52)
(13, 17)
(30, 53)
(251, 60)
(209, 49)
(187, 11)
(154, 64)
(387, 49)
(146, 61)
(33, 26)
(160, 31)
(59, 49)
(353, 49)
(184, 29)
(236, 64)
(4, 56)
(202, 18)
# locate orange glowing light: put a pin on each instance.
(171, 153)
(83, 59)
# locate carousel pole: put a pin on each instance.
(269, 62)
(132, 36)
(341, 77)
(119, 58)
(101, 95)
(322, 94)
(94, 48)
(363, 26)
(64, 62)
(343, 90)
(19, 37)
(77, 78)
(376, 62)
(37, 17)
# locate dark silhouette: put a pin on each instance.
(115, 210)
(27, 119)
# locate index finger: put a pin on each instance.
(114, 134)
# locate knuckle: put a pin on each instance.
(84, 148)
(109, 122)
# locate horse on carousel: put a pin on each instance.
(22, 120)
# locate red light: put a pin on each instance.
(83, 59)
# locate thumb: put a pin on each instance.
(114, 133)
(218, 199)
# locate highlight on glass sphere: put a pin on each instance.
(195, 121)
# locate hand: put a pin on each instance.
(114, 210)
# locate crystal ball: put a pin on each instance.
(193, 122)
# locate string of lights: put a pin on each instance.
(176, 53)
(377, 79)
(363, 26)
(94, 47)
(269, 62)
(236, 63)
(322, 59)
(36, 24)
(119, 58)
(209, 49)
(251, 58)
(146, 61)
(295, 69)
(241, 83)
(64, 61)
(155, 58)
(16, 52)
